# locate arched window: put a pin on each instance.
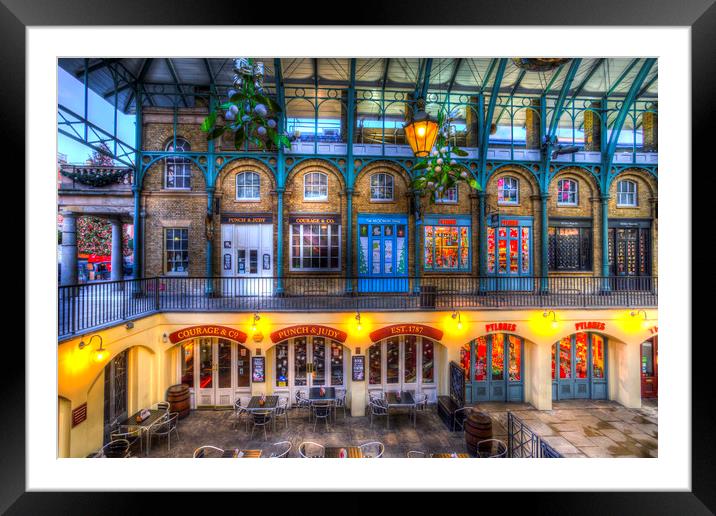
(567, 192)
(508, 190)
(449, 196)
(626, 193)
(315, 186)
(248, 186)
(381, 187)
(177, 168)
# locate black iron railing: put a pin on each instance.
(93, 305)
(522, 442)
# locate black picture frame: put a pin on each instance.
(699, 15)
(258, 364)
(358, 368)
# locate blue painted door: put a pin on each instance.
(509, 253)
(496, 369)
(579, 367)
(382, 253)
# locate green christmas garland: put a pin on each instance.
(249, 114)
(440, 171)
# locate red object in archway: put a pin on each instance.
(406, 329)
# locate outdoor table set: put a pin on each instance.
(270, 403)
(400, 399)
(144, 425)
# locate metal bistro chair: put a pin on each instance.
(260, 418)
(240, 413)
(281, 450)
(372, 450)
(164, 428)
(340, 403)
(378, 408)
(200, 452)
(321, 410)
(162, 405)
(303, 402)
(116, 449)
(132, 434)
(492, 449)
(311, 450)
(461, 422)
(281, 409)
(412, 454)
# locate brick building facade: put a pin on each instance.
(166, 207)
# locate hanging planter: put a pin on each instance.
(95, 176)
(539, 64)
(439, 171)
(249, 114)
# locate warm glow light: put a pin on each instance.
(421, 134)
(100, 355)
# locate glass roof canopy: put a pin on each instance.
(174, 81)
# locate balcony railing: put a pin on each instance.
(94, 305)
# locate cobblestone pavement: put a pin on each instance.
(579, 428)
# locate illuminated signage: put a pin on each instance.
(502, 326)
(654, 330)
(589, 325)
(207, 330)
(308, 329)
(447, 222)
(406, 329)
(510, 222)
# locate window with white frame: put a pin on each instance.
(448, 196)
(508, 190)
(381, 187)
(315, 186)
(248, 186)
(176, 250)
(177, 168)
(626, 193)
(315, 247)
(567, 192)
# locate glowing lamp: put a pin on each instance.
(546, 313)
(359, 326)
(456, 315)
(100, 353)
(257, 318)
(645, 322)
(421, 132)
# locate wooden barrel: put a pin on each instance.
(478, 427)
(178, 398)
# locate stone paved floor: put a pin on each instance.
(579, 428)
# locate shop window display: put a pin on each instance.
(447, 247)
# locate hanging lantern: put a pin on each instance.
(421, 132)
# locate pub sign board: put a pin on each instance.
(358, 368)
(314, 218)
(302, 330)
(207, 330)
(246, 218)
(406, 329)
(258, 369)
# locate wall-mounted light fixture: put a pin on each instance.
(359, 326)
(165, 337)
(257, 318)
(456, 315)
(546, 313)
(645, 322)
(100, 353)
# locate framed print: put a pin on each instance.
(358, 368)
(258, 369)
(540, 312)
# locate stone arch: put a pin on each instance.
(391, 166)
(155, 166)
(636, 172)
(526, 194)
